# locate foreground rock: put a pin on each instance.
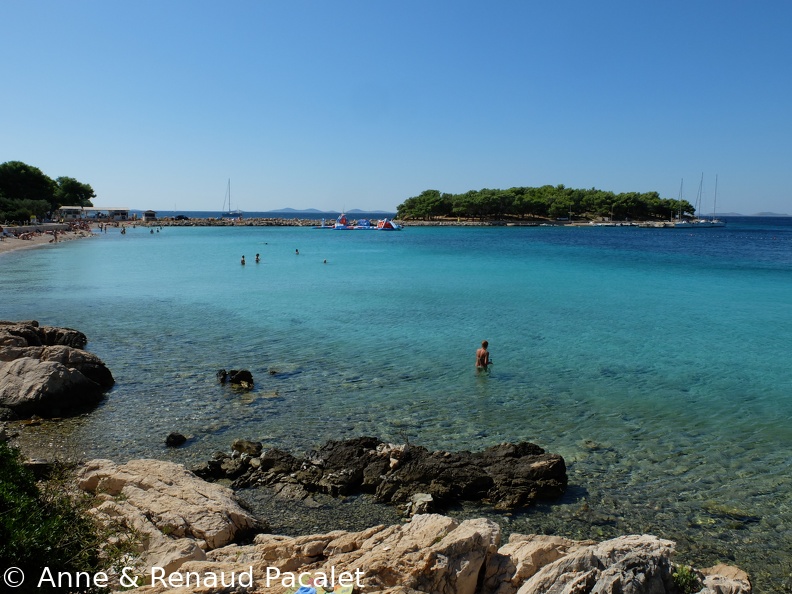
(506, 476)
(184, 526)
(434, 554)
(176, 516)
(44, 371)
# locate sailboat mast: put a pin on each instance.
(681, 183)
(715, 199)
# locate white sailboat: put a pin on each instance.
(712, 221)
(700, 222)
(229, 214)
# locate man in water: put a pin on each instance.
(482, 357)
(242, 261)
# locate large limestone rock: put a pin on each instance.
(434, 554)
(45, 372)
(177, 516)
(45, 388)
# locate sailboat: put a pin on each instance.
(700, 222)
(229, 214)
(712, 221)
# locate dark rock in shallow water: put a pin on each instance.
(236, 377)
(174, 440)
(243, 446)
(44, 371)
(506, 476)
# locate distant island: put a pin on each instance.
(758, 214)
(550, 202)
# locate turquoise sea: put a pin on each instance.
(656, 361)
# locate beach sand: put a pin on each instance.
(9, 244)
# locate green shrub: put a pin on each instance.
(686, 579)
(44, 526)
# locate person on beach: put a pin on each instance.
(243, 261)
(482, 357)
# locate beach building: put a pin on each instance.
(74, 213)
(69, 213)
(149, 215)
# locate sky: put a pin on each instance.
(363, 104)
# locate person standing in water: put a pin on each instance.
(482, 357)
(242, 261)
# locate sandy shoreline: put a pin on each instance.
(37, 239)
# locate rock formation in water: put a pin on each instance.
(241, 378)
(506, 476)
(44, 371)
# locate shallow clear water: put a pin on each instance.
(656, 361)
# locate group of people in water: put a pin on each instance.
(258, 259)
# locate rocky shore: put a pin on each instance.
(188, 530)
(191, 533)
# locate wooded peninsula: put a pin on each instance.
(547, 202)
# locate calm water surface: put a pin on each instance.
(655, 361)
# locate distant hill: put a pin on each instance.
(312, 210)
(739, 214)
(294, 210)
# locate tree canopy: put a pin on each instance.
(546, 202)
(27, 191)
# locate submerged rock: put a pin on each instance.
(174, 440)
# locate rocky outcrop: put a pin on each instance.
(506, 476)
(177, 516)
(29, 333)
(185, 525)
(45, 371)
(434, 554)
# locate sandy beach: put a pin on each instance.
(34, 238)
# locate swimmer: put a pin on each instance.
(482, 357)
(242, 261)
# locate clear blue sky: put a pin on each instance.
(363, 104)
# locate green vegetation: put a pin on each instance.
(545, 202)
(686, 580)
(26, 191)
(43, 525)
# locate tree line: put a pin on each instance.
(548, 202)
(25, 192)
